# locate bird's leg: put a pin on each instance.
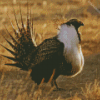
(51, 78)
(52, 81)
(55, 83)
(42, 81)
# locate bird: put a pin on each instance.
(58, 55)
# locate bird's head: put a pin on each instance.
(75, 22)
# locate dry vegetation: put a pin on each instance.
(16, 84)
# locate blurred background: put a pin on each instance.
(47, 16)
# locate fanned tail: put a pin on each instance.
(23, 42)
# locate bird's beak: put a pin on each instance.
(81, 24)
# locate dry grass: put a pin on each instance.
(7, 92)
(92, 91)
(47, 17)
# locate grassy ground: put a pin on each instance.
(17, 84)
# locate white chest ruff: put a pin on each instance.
(72, 48)
(75, 57)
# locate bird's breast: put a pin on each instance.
(74, 59)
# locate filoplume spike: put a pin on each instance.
(12, 25)
(15, 64)
(16, 19)
(8, 50)
(21, 18)
(10, 43)
(11, 36)
(11, 58)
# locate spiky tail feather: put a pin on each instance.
(23, 42)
